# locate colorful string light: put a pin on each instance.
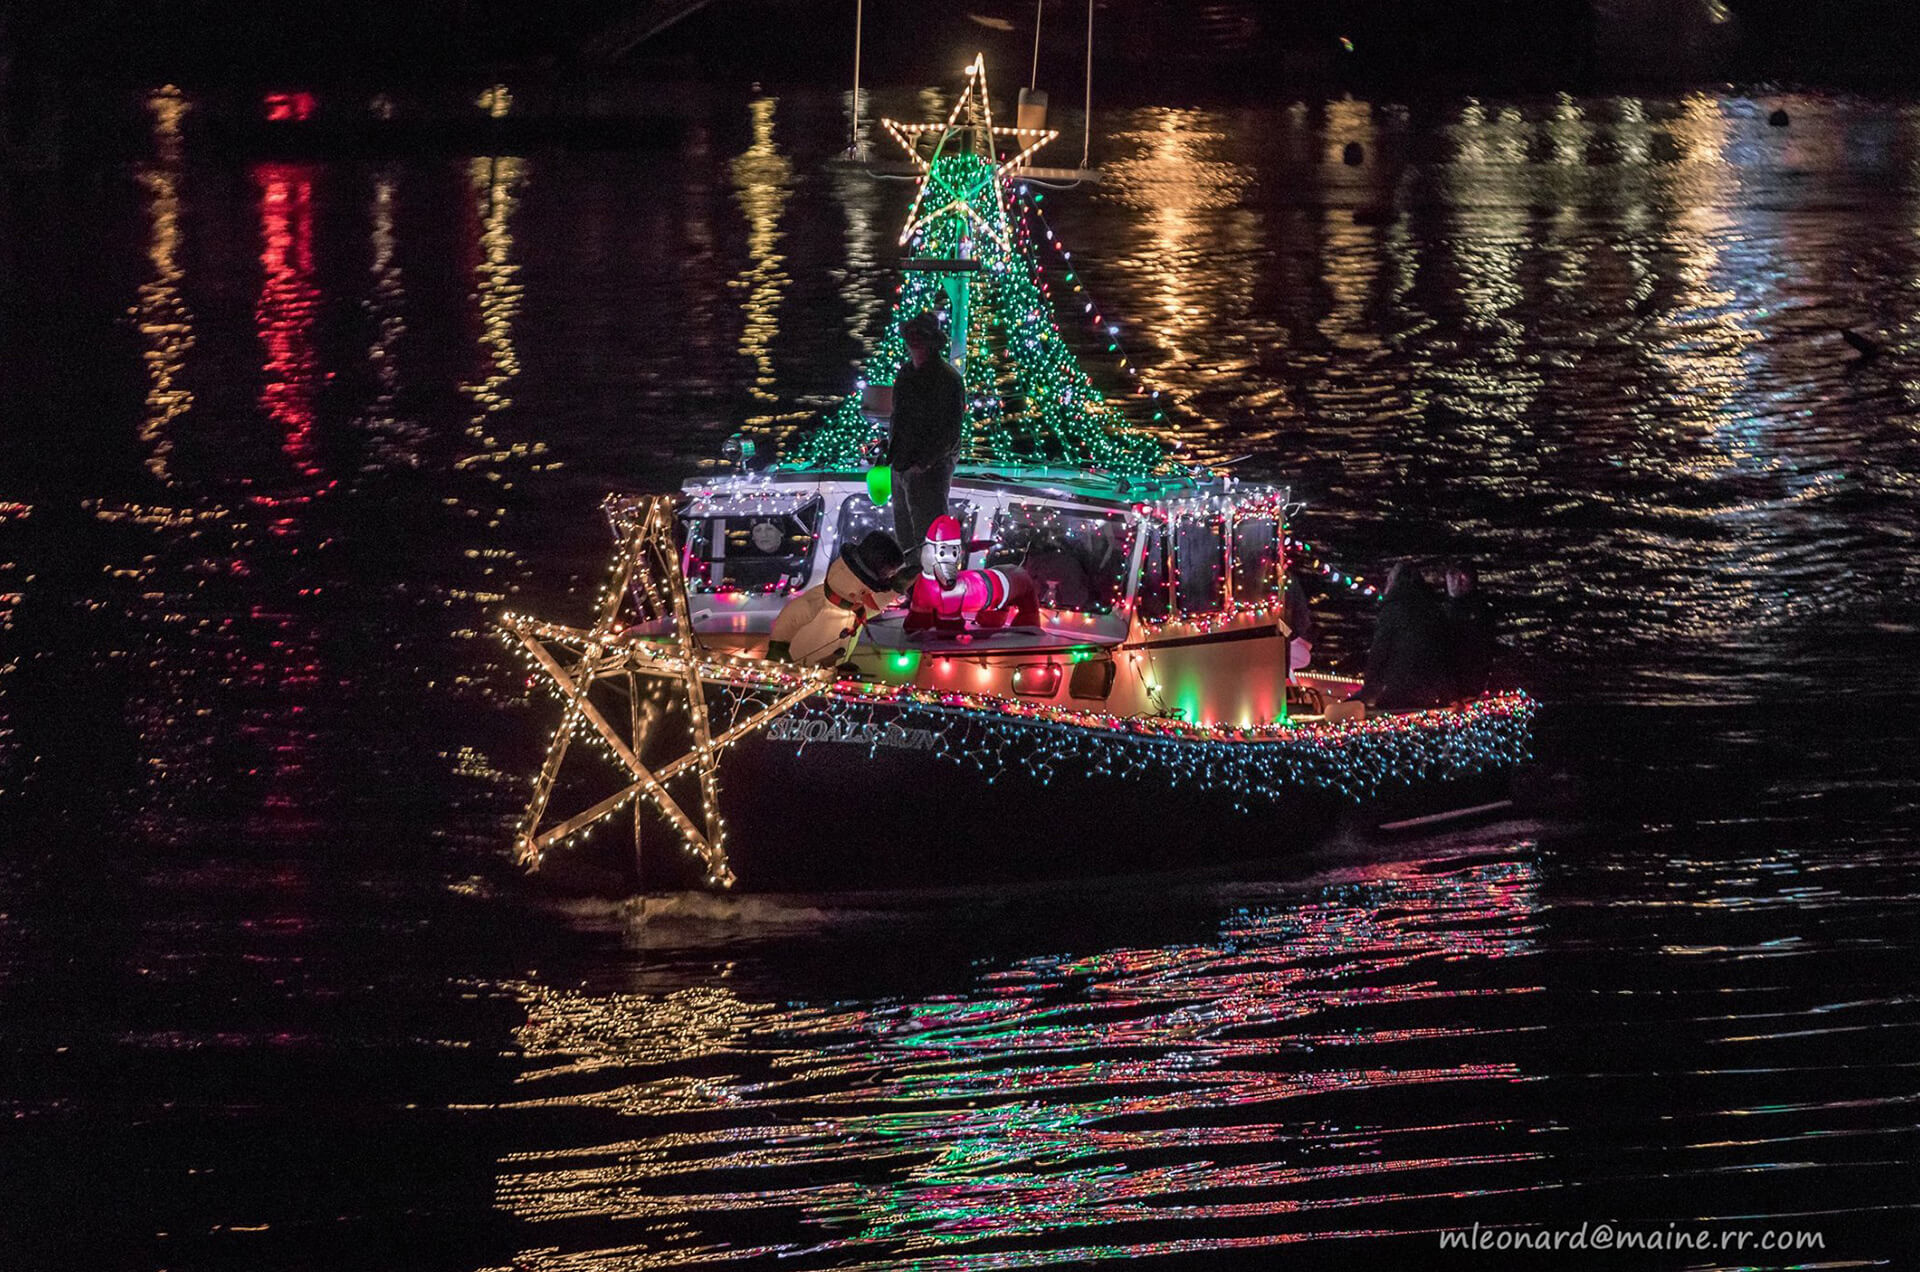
(1357, 760)
(1300, 553)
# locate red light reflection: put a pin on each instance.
(289, 304)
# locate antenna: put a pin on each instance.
(1039, 7)
(1086, 135)
(853, 138)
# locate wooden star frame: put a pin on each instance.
(662, 646)
(980, 128)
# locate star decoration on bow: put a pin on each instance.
(978, 132)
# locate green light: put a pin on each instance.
(1079, 655)
(904, 662)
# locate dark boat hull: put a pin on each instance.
(885, 799)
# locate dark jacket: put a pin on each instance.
(1295, 613)
(1410, 663)
(929, 408)
(1470, 641)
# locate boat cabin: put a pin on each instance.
(1157, 595)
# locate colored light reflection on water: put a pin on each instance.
(288, 307)
(1231, 1081)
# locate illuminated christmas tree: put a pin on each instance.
(972, 262)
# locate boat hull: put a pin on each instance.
(884, 797)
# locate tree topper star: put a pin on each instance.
(977, 133)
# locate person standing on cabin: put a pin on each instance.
(1470, 638)
(929, 411)
(1409, 667)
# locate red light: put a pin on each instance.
(289, 107)
(1037, 680)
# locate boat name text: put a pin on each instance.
(789, 729)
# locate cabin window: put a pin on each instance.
(747, 551)
(1077, 559)
(1200, 565)
(860, 517)
(1256, 560)
(1153, 594)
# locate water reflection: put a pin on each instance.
(285, 315)
(1182, 198)
(165, 323)
(859, 269)
(394, 442)
(494, 453)
(1172, 178)
(1078, 1095)
(12, 582)
(496, 182)
(762, 179)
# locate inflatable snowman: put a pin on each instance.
(817, 627)
(946, 598)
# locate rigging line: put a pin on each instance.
(853, 139)
(1033, 80)
(1086, 134)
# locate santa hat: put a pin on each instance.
(943, 530)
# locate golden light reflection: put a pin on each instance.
(497, 183)
(1708, 334)
(164, 321)
(1491, 189)
(497, 101)
(496, 278)
(1169, 176)
(1191, 273)
(1703, 342)
(1350, 257)
(762, 184)
(1731, 273)
(1631, 135)
(1567, 133)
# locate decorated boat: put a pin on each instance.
(1095, 672)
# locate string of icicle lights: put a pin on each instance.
(1358, 759)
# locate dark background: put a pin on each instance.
(271, 995)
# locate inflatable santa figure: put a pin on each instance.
(945, 597)
(817, 627)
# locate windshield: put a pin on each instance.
(752, 552)
(860, 516)
(1077, 560)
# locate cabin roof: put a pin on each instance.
(1078, 485)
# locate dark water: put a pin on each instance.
(283, 435)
